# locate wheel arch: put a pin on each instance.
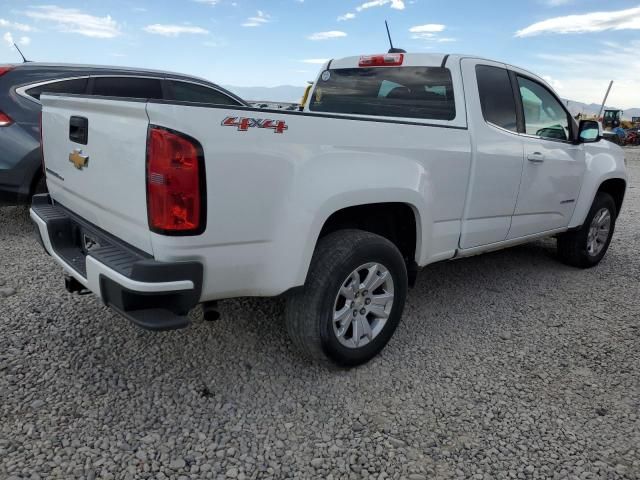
(397, 221)
(616, 187)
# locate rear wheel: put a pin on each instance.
(584, 248)
(352, 301)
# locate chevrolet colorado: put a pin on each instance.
(396, 161)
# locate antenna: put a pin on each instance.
(20, 52)
(392, 49)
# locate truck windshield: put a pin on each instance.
(413, 92)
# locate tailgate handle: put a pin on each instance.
(79, 130)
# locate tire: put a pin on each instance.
(310, 311)
(574, 247)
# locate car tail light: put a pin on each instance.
(5, 68)
(175, 183)
(5, 120)
(386, 60)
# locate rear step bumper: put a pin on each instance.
(153, 295)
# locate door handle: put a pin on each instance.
(78, 130)
(535, 157)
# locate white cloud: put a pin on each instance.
(555, 83)
(7, 37)
(327, 35)
(15, 26)
(428, 28)
(395, 4)
(558, 3)
(346, 16)
(174, 30)
(579, 78)
(628, 19)
(260, 19)
(315, 61)
(10, 40)
(371, 4)
(430, 32)
(75, 21)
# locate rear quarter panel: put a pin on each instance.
(269, 194)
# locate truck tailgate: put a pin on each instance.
(100, 178)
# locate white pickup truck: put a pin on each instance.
(397, 161)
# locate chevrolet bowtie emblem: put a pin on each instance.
(78, 159)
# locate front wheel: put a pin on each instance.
(352, 300)
(584, 248)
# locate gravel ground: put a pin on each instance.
(507, 365)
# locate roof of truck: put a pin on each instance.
(425, 59)
(412, 58)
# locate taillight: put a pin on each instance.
(175, 183)
(5, 120)
(5, 68)
(386, 60)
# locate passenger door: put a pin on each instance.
(498, 153)
(554, 166)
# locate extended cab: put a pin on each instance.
(397, 161)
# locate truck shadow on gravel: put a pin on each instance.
(251, 339)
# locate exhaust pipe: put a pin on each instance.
(210, 311)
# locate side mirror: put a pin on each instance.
(589, 131)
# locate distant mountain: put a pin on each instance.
(290, 93)
(283, 93)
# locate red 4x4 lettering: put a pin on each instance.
(244, 124)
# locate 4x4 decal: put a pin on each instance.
(244, 124)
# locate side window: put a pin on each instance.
(496, 97)
(190, 92)
(544, 116)
(78, 85)
(128, 87)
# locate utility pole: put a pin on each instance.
(605, 99)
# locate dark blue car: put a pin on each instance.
(20, 89)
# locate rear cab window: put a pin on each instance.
(412, 88)
(411, 91)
